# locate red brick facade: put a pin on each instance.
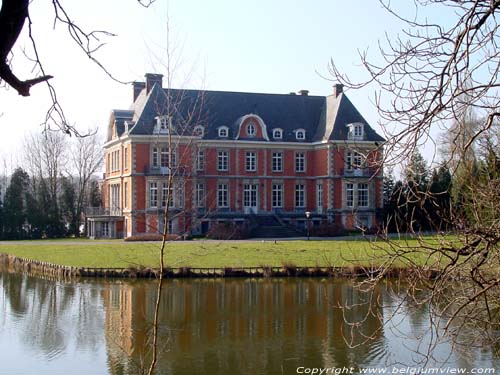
(252, 171)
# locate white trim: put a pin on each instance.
(261, 122)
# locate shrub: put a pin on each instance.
(328, 230)
(152, 237)
(228, 231)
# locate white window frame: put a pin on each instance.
(354, 160)
(300, 134)
(319, 195)
(251, 129)
(251, 161)
(200, 194)
(222, 195)
(200, 160)
(223, 160)
(153, 194)
(199, 131)
(164, 195)
(277, 133)
(363, 194)
(349, 194)
(223, 132)
(277, 161)
(300, 195)
(300, 161)
(356, 131)
(277, 196)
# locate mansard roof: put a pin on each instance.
(322, 118)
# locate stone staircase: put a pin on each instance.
(269, 226)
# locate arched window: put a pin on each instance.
(277, 134)
(198, 131)
(300, 134)
(223, 131)
(251, 129)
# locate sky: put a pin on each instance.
(264, 46)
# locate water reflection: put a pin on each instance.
(237, 326)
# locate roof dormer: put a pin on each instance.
(223, 132)
(356, 131)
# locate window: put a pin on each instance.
(222, 196)
(167, 157)
(223, 132)
(277, 133)
(105, 228)
(125, 195)
(277, 162)
(155, 157)
(354, 160)
(251, 161)
(153, 194)
(115, 160)
(356, 131)
(179, 195)
(300, 162)
(349, 190)
(277, 196)
(222, 161)
(200, 195)
(251, 130)
(319, 195)
(200, 160)
(125, 158)
(163, 124)
(167, 196)
(362, 195)
(300, 134)
(300, 194)
(198, 131)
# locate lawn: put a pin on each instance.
(110, 254)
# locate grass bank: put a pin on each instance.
(217, 254)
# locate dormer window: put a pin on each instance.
(223, 131)
(163, 124)
(251, 130)
(198, 131)
(356, 131)
(277, 133)
(300, 134)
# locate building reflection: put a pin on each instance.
(243, 326)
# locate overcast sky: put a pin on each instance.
(267, 46)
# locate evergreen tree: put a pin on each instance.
(15, 205)
(68, 206)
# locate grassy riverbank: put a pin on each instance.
(111, 254)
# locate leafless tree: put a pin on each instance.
(86, 158)
(434, 76)
(13, 16)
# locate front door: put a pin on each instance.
(250, 198)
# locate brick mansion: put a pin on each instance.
(278, 160)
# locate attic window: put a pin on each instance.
(251, 130)
(356, 131)
(277, 133)
(300, 134)
(198, 131)
(163, 124)
(223, 131)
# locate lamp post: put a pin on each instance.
(308, 217)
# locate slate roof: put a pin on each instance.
(323, 118)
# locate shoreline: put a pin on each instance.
(46, 269)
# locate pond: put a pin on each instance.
(216, 326)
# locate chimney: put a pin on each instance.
(337, 89)
(304, 92)
(138, 87)
(151, 79)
